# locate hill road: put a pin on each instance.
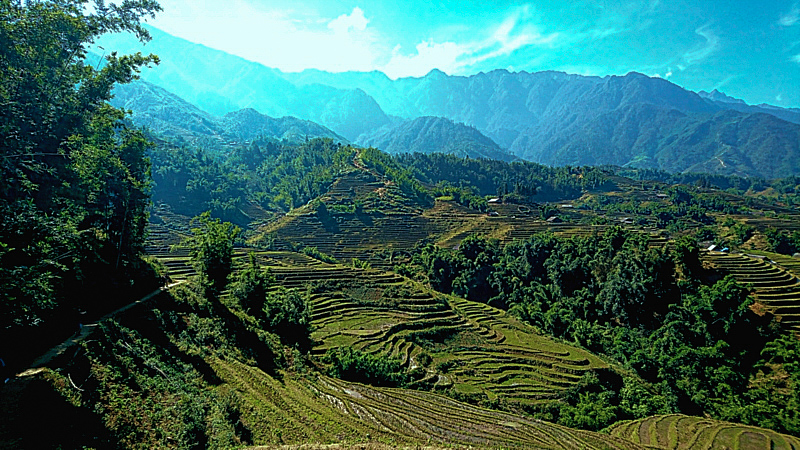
(85, 331)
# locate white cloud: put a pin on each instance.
(796, 58)
(779, 98)
(705, 49)
(429, 55)
(344, 23)
(284, 39)
(790, 18)
(455, 58)
(294, 40)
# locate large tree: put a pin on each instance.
(211, 251)
(74, 179)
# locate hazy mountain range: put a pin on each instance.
(170, 115)
(431, 134)
(547, 117)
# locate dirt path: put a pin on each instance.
(85, 331)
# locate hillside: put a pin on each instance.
(398, 354)
(548, 117)
(228, 282)
(434, 135)
(221, 83)
(169, 115)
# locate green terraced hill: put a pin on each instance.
(685, 432)
(307, 410)
(474, 349)
(773, 286)
(159, 372)
(787, 262)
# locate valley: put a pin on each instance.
(201, 251)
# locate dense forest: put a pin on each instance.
(655, 311)
(276, 176)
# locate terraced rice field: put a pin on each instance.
(399, 223)
(773, 285)
(685, 432)
(787, 262)
(369, 238)
(477, 350)
(326, 410)
(790, 223)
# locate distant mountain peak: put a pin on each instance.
(718, 96)
(436, 74)
(429, 134)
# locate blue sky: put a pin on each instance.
(747, 49)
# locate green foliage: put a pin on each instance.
(384, 165)
(781, 241)
(249, 286)
(150, 398)
(286, 312)
(519, 181)
(74, 179)
(772, 400)
(316, 254)
(211, 250)
(353, 365)
(277, 176)
(696, 344)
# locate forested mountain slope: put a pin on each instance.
(169, 115)
(220, 83)
(434, 135)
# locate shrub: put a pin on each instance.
(354, 365)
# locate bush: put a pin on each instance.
(316, 254)
(249, 287)
(354, 365)
(287, 314)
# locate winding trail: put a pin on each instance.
(85, 331)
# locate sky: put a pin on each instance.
(747, 49)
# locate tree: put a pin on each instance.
(287, 314)
(49, 93)
(250, 285)
(74, 180)
(211, 251)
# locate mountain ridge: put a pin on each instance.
(430, 134)
(547, 117)
(168, 114)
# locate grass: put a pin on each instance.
(236, 396)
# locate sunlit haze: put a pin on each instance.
(749, 50)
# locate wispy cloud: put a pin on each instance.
(727, 80)
(285, 39)
(796, 58)
(346, 22)
(512, 34)
(705, 49)
(790, 18)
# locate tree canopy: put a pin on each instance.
(74, 178)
